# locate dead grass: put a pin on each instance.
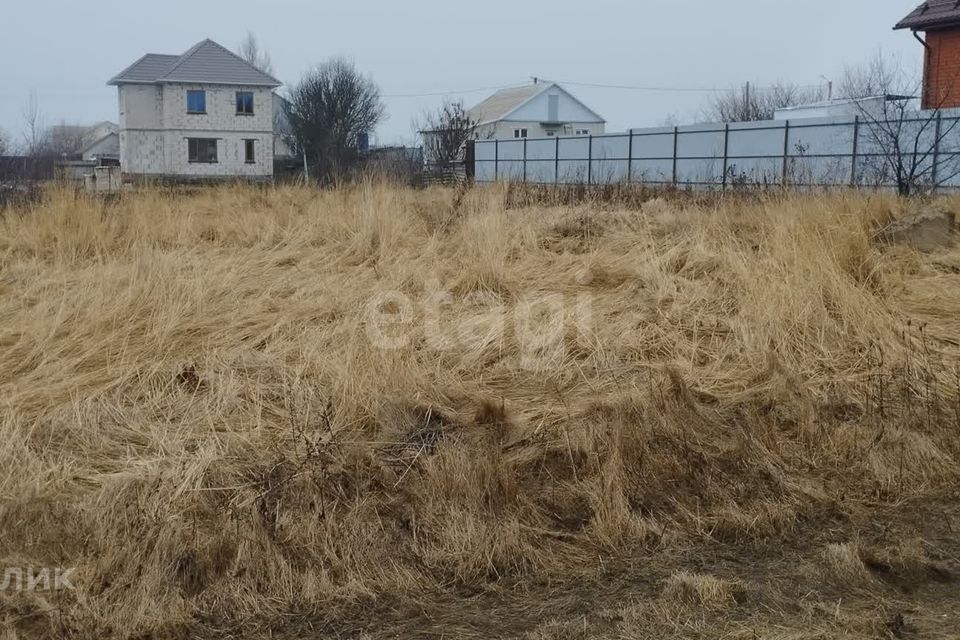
(199, 413)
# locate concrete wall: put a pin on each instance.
(155, 128)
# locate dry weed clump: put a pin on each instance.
(241, 410)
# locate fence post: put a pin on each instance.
(590, 160)
(726, 147)
(853, 156)
(524, 161)
(496, 160)
(786, 151)
(936, 153)
(630, 157)
(556, 162)
(676, 140)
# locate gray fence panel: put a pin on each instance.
(485, 150)
(659, 145)
(700, 143)
(808, 139)
(577, 148)
(608, 171)
(572, 172)
(611, 147)
(752, 142)
(709, 171)
(541, 171)
(541, 149)
(821, 151)
(511, 150)
(755, 170)
(652, 171)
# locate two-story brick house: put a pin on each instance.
(205, 114)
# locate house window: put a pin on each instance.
(550, 134)
(582, 132)
(519, 133)
(202, 150)
(196, 101)
(244, 103)
(249, 152)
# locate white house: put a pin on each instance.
(205, 114)
(538, 110)
(100, 141)
(535, 110)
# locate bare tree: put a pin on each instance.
(672, 119)
(444, 133)
(747, 104)
(878, 76)
(900, 144)
(250, 51)
(36, 135)
(331, 111)
(5, 146)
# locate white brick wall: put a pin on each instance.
(155, 127)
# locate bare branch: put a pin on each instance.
(444, 133)
(250, 51)
(759, 103)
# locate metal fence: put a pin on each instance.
(843, 151)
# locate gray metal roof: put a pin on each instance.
(933, 14)
(205, 63)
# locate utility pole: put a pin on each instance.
(746, 100)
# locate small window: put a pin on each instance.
(196, 101)
(249, 152)
(550, 134)
(582, 132)
(202, 150)
(244, 103)
(519, 133)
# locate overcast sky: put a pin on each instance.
(66, 50)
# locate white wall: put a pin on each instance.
(569, 110)
(504, 129)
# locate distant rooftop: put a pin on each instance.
(932, 14)
(839, 102)
(206, 62)
(506, 100)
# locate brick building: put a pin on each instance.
(204, 114)
(939, 22)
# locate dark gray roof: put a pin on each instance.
(147, 69)
(205, 63)
(933, 14)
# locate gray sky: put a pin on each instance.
(66, 50)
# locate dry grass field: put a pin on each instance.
(384, 413)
